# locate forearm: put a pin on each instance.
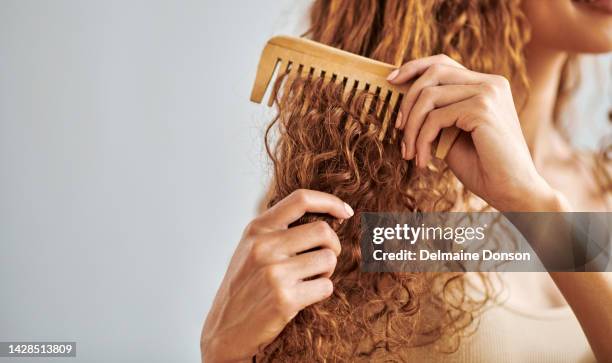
(590, 296)
(221, 348)
(212, 358)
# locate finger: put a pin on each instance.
(305, 237)
(429, 99)
(437, 74)
(461, 154)
(310, 264)
(416, 67)
(437, 120)
(313, 291)
(300, 202)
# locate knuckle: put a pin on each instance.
(443, 57)
(323, 229)
(497, 83)
(328, 258)
(281, 297)
(284, 303)
(428, 92)
(489, 88)
(301, 196)
(329, 232)
(327, 287)
(404, 67)
(502, 81)
(273, 275)
(482, 102)
(258, 251)
(253, 227)
(447, 59)
(436, 69)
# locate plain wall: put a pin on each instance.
(130, 160)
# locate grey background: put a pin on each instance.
(130, 160)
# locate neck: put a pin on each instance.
(544, 67)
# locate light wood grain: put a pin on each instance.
(292, 52)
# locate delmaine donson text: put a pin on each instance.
(411, 234)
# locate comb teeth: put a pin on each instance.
(282, 68)
(391, 106)
(298, 57)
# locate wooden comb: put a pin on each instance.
(299, 57)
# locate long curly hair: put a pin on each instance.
(317, 141)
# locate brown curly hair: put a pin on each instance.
(316, 141)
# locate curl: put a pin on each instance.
(317, 141)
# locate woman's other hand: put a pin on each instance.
(490, 157)
(267, 283)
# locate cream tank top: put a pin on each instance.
(508, 334)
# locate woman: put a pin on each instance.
(274, 301)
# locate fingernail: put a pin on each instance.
(348, 209)
(403, 150)
(398, 120)
(392, 75)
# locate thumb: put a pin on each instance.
(462, 158)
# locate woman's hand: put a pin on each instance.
(491, 157)
(264, 286)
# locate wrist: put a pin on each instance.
(545, 199)
(538, 196)
(214, 351)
